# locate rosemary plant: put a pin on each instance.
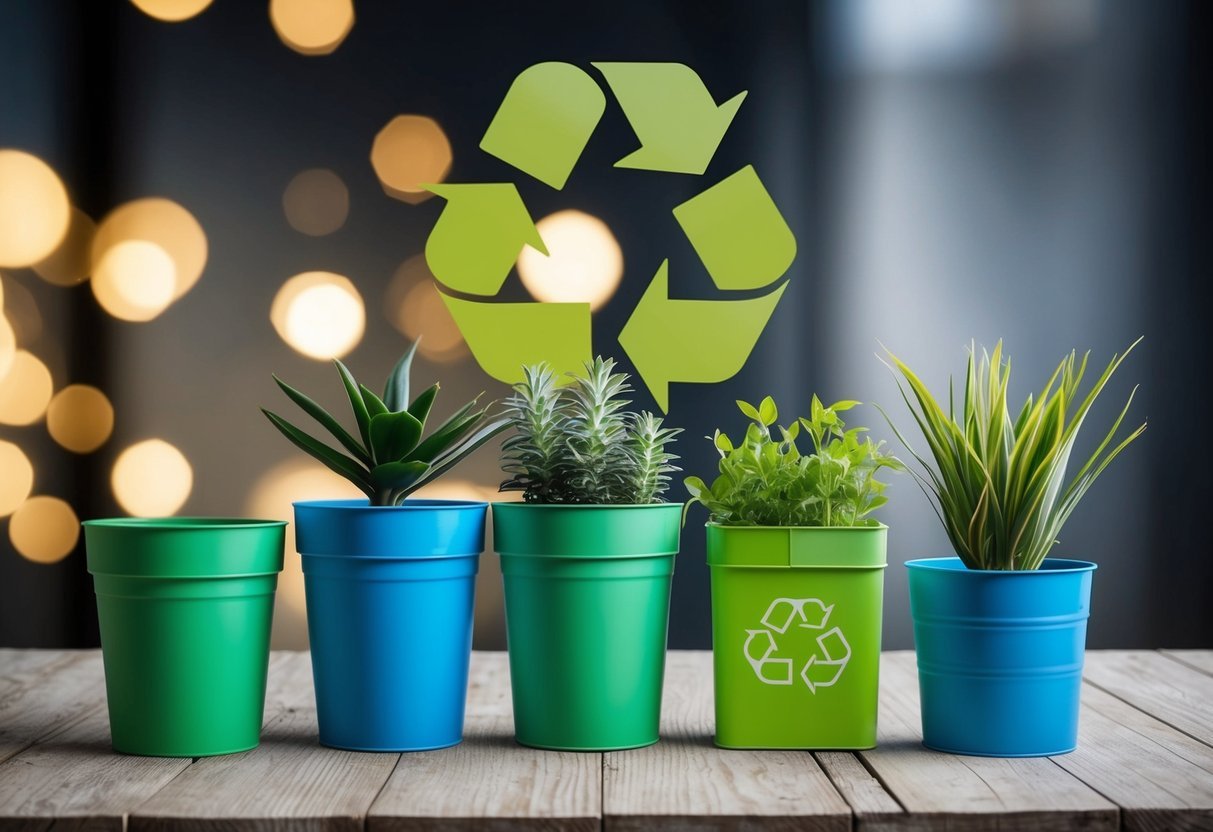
(998, 482)
(390, 459)
(579, 444)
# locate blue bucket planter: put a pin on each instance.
(1000, 655)
(390, 592)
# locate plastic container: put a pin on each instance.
(185, 606)
(390, 595)
(796, 616)
(1000, 655)
(587, 607)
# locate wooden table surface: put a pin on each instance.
(1144, 762)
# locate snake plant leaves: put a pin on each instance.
(326, 420)
(396, 391)
(335, 461)
(374, 404)
(448, 432)
(421, 406)
(393, 435)
(457, 454)
(394, 476)
(356, 403)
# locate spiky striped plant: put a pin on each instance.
(390, 459)
(579, 444)
(998, 483)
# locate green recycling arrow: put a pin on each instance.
(716, 336)
(673, 114)
(478, 236)
(545, 120)
(558, 333)
(738, 232)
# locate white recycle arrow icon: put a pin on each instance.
(807, 613)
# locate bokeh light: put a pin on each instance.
(312, 27)
(164, 223)
(411, 151)
(270, 498)
(585, 263)
(172, 11)
(152, 479)
(135, 280)
(319, 314)
(34, 209)
(80, 418)
(8, 346)
(44, 529)
(25, 390)
(316, 202)
(71, 262)
(18, 478)
(22, 312)
(412, 304)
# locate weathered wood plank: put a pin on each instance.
(288, 782)
(59, 694)
(1161, 778)
(489, 686)
(1174, 693)
(874, 808)
(686, 782)
(979, 793)
(21, 667)
(489, 782)
(289, 685)
(1199, 659)
(74, 780)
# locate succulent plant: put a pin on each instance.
(579, 444)
(390, 457)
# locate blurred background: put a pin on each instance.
(196, 194)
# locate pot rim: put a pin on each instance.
(182, 523)
(583, 506)
(417, 504)
(1051, 566)
(726, 527)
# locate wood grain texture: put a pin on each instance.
(490, 782)
(54, 696)
(978, 793)
(74, 780)
(875, 810)
(1161, 778)
(489, 692)
(288, 782)
(686, 782)
(289, 685)
(1171, 691)
(1200, 659)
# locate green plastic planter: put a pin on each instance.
(796, 635)
(185, 607)
(587, 608)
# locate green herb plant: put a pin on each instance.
(390, 457)
(998, 482)
(579, 444)
(765, 481)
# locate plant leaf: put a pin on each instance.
(396, 391)
(335, 461)
(374, 404)
(326, 420)
(421, 406)
(361, 416)
(395, 476)
(393, 436)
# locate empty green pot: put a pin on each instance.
(185, 607)
(796, 618)
(587, 609)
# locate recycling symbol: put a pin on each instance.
(821, 670)
(541, 128)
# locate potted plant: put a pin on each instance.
(184, 607)
(1000, 629)
(797, 567)
(390, 580)
(587, 559)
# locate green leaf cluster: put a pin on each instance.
(767, 481)
(390, 457)
(998, 482)
(579, 444)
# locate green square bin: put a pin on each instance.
(796, 615)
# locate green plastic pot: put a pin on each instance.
(587, 609)
(185, 607)
(796, 616)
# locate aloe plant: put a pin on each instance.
(998, 482)
(390, 457)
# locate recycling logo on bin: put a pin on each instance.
(821, 669)
(541, 128)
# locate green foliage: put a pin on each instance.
(579, 443)
(765, 481)
(998, 483)
(389, 459)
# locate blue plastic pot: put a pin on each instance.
(1000, 655)
(390, 593)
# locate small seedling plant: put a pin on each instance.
(579, 444)
(997, 481)
(768, 481)
(390, 457)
